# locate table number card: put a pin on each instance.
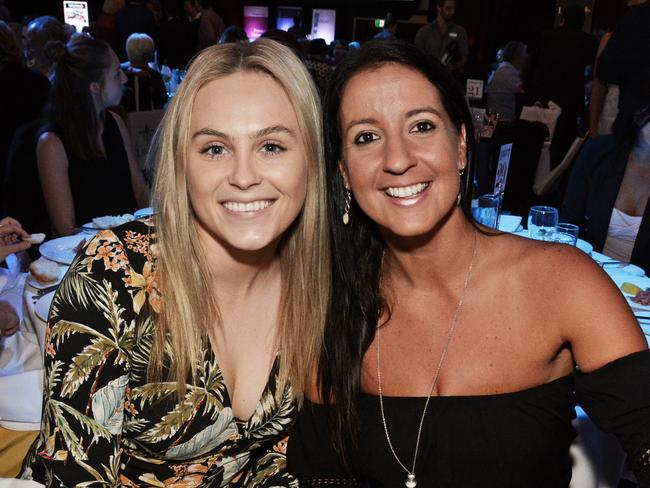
(474, 89)
(502, 169)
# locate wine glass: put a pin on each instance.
(542, 221)
(566, 233)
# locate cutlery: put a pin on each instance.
(47, 289)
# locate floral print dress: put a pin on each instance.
(105, 425)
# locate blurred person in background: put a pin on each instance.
(389, 31)
(608, 191)
(506, 82)
(104, 25)
(85, 160)
(36, 35)
(233, 33)
(296, 29)
(133, 17)
(151, 94)
(211, 25)
(444, 39)
(564, 54)
(5, 14)
(23, 92)
(625, 61)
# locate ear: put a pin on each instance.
(95, 88)
(462, 148)
(344, 174)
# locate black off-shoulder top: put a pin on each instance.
(518, 439)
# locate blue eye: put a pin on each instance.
(365, 138)
(214, 151)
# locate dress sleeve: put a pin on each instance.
(89, 335)
(617, 398)
(311, 455)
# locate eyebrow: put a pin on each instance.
(418, 111)
(409, 114)
(206, 131)
(360, 122)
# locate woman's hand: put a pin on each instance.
(13, 238)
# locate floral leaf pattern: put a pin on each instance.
(105, 424)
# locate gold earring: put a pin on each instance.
(346, 213)
(461, 171)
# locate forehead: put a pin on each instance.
(388, 89)
(449, 4)
(249, 98)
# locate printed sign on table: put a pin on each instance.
(256, 21)
(502, 169)
(474, 89)
(76, 14)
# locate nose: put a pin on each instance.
(397, 158)
(243, 174)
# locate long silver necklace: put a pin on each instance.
(411, 481)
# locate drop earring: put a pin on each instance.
(346, 213)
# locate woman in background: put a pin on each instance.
(85, 159)
(609, 189)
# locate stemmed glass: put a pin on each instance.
(542, 221)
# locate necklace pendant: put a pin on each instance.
(410, 482)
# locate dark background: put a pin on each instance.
(489, 23)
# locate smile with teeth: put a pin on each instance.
(241, 207)
(406, 191)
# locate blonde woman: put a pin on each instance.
(178, 348)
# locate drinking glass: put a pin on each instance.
(566, 233)
(541, 222)
(487, 212)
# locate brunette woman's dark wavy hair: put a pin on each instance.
(357, 248)
(71, 107)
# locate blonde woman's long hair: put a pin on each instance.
(188, 307)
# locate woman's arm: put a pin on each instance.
(140, 188)
(87, 369)
(598, 92)
(53, 171)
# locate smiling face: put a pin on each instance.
(401, 152)
(246, 163)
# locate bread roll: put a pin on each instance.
(44, 271)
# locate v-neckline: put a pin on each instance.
(227, 399)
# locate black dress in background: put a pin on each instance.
(102, 186)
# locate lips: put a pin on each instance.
(247, 207)
(407, 191)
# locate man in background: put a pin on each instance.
(443, 39)
(390, 28)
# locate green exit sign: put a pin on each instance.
(380, 23)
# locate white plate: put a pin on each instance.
(642, 282)
(62, 250)
(110, 221)
(31, 281)
(42, 306)
(584, 246)
(143, 212)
